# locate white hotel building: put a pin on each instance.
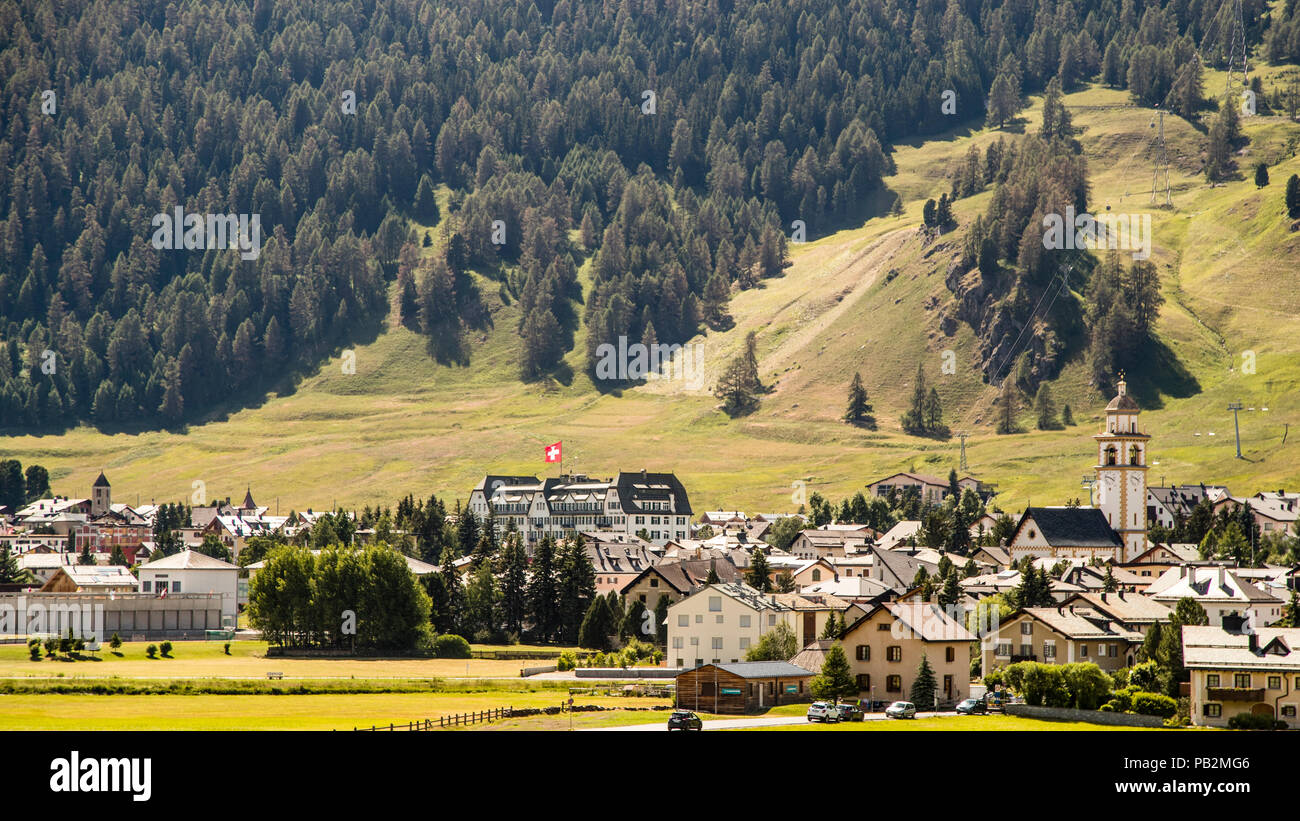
(560, 506)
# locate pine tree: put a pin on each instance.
(924, 686)
(914, 420)
(10, 572)
(544, 591)
(514, 585)
(1007, 417)
(1261, 175)
(577, 583)
(835, 681)
(1293, 196)
(757, 576)
(1004, 100)
(1045, 408)
(597, 626)
(1067, 416)
(859, 410)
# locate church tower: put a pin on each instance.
(1122, 472)
(101, 498)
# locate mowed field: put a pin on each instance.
(405, 424)
(271, 712)
(247, 659)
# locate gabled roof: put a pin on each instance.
(764, 669)
(189, 560)
(1128, 608)
(1215, 648)
(1070, 526)
(1073, 624)
(1206, 583)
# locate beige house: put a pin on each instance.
(718, 623)
(677, 579)
(1060, 635)
(885, 647)
(1234, 673)
(830, 543)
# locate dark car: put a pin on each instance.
(684, 720)
(848, 712)
(973, 706)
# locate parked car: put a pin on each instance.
(684, 720)
(973, 706)
(823, 711)
(901, 709)
(848, 712)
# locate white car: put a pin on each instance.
(823, 711)
(901, 709)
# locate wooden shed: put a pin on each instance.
(742, 687)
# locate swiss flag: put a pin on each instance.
(553, 452)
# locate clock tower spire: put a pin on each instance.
(1122, 472)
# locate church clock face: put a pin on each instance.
(1110, 483)
(1135, 482)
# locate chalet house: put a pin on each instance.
(812, 572)
(1234, 673)
(1061, 635)
(1152, 563)
(827, 543)
(742, 687)
(930, 489)
(718, 518)
(885, 647)
(1166, 505)
(677, 579)
(1131, 611)
(78, 578)
(617, 563)
(1273, 513)
(1220, 591)
(994, 555)
(1064, 532)
(897, 568)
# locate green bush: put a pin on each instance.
(994, 678)
(51, 644)
(115, 642)
(166, 648)
(1087, 684)
(451, 646)
(567, 661)
(1250, 721)
(151, 651)
(1154, 704)
(35, 651)
(227, 648)
(1044, 685)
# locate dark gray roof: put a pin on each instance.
(764, 669)
(1072, 526)
(102, 481)
(635, 488)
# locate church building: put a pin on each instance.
(1116, 527)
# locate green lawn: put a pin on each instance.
(260, 712)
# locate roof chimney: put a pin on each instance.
(1223, 576)
(1253, 639)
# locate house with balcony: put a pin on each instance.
(1063, 635)
(1235, 672)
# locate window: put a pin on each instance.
(677, 642)
(695, 641)
(683, 620)
(1241, 680)
(744, 621)
(1213, 710)
(654, 582)
(1049, 650)
(717, 642)
(949, 654)
(864, 681)
(894, 653)
(718, 619)
(816, 574)
(1003, 649)
(1275, 682)
(1026, 649)
(1212, 680)
(894, 684)
(744, 644)
(1288, 711)
(864, 652)
(146, 587)
(1083, 651)
(699, 618)
(1112, 650)
(771, 619)
(880, 628)
(1026, 628)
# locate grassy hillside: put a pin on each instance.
(1228, 259)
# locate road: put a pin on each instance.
(742, 723)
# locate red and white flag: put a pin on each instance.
(553, 452)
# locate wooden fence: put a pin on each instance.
(442, 722)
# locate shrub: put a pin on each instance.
(1044, 684)
(115, 642)
(51, 644)
(227, 648)
(1250, 721)
(994, 678)
(1154, 704)
(1087, 684)
(451, 646)
(35, 651)
(151, 650)
(1146, 676)
(166, 648)
(567, 661)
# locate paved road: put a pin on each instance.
(742, 723)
